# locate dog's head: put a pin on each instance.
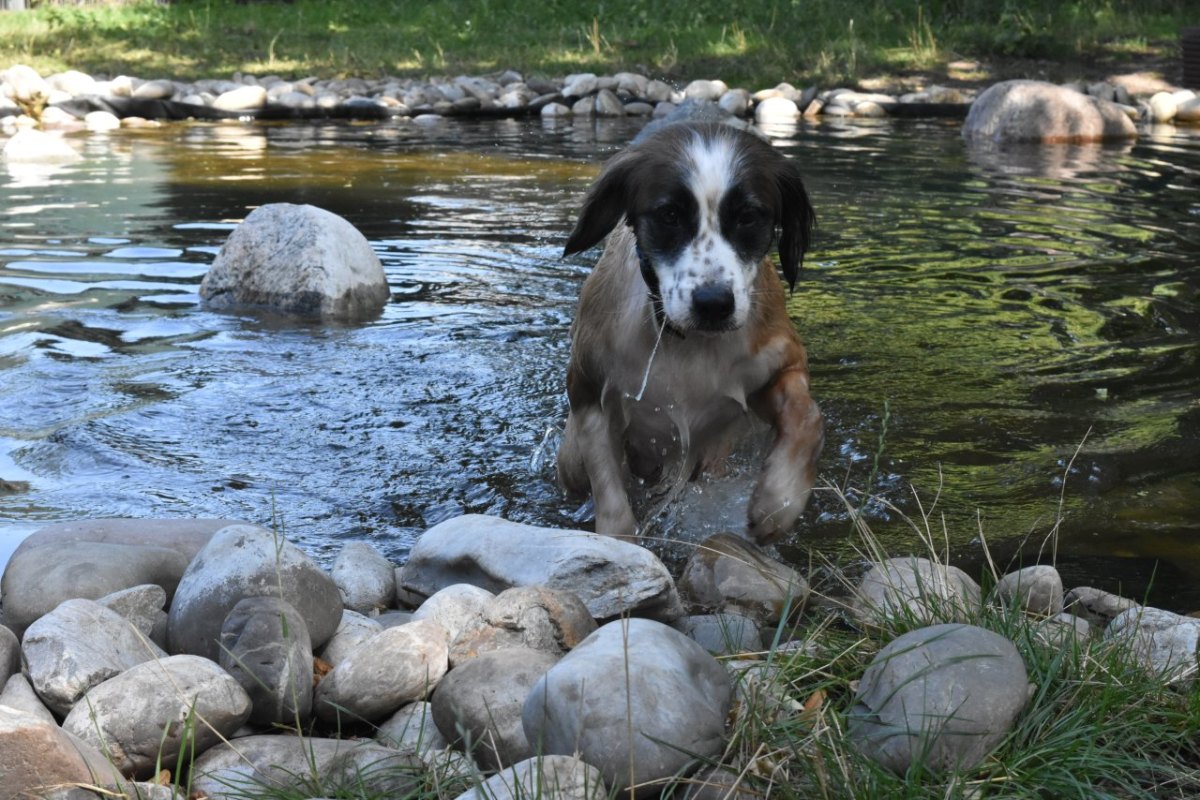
(704, 202)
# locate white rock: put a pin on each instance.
(776, 110)
(580, 85)
(736, 102)
(555, 110)
(412, 727)
(1188, 111)
(1163, 642)
(365, 578)
(456, 608)
(298, 259)
(658, 92)
(37, 147)
(73, 82)
(915, 588)
(244, 98)
(353, 630)
(23, 83)
(101, 121)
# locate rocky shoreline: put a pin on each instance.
(74, 99)
(499, 656)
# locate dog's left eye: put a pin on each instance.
(668, 214)
(749, 217)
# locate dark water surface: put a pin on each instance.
(983, 314)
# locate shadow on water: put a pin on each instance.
(1007, 308)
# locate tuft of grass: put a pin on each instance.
(754, 43)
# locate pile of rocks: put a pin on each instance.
(567, 664)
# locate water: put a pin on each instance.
(997, 339)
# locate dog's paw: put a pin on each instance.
(772, 514)
(618, 523)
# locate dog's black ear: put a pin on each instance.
(605, 204)
(797, 219)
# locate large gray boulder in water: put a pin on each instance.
(1036, 111)
(298, 259)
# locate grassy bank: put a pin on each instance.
(753, 43)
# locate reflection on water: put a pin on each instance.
(974, 318)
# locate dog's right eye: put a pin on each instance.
(668, 215)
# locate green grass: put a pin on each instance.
(753, 43)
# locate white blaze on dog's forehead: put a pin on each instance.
(714, 162)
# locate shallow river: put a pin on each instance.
(999, 340)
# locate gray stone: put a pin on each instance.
(915, 589)
(1164, 643)
(555, 110)
(248, 561)
(638, 109)
(397, 666)
(456, 608)
(1036, 111)
(722, 634)
(365, 578)
(1034, 590)
(244, 98)
(945, 695)
(736, 102)
(10, 654)
(608, 105)
(95, 558)
(704, 90)
(584, 107)
(353, 630)
(18, 693)
(1096, 606)
(581, 85)
(533, 617)
(144, 606)
(728, 573)
(266, 648)
(716, 783)
(37, 755)
(392, 619)
(543, 777)
(235, 769)
(371, 770)
(143, 716)
(611, 577)
(155, 90)
(1063, 630)
(478, 705)
(298, 259)
(412, 727)
(658, 92)
(77, 646)
(678, 696)
(632, 83)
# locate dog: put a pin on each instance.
(682, 329)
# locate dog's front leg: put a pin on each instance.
(591, 445)
(790, 467)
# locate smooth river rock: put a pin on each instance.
(728, 573)
(36, 755)
(611, 577)
(1036, 111)
(365, 578)
(677, 693)
(266, 648)
(544, 778)
(248, 561)
(297, 259)
(915, 589)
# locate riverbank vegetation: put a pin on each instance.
(752, 42)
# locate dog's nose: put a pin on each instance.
(712, 303)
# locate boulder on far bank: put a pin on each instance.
(298, 259)
(1036, 111)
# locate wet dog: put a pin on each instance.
(682, 329)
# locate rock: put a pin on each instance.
(1096, 606)
(18, 693)
(265, 647)
(77, 646)
(581, 85)
(155, 90)
(611, 577)
(95, 558)
(397, 666)
(1164, 643)
(555, 110)
(55, 117)
(1063, 630)
(584, 107)
(776, 110)
(36, 755)
(1034, 590)
(144, 607)
(353, 630)
(632, 83)
(638, 109)
(715, 783)
(869, 109)
(457, 608)
(30, 146)
(677, 693)
(392, 619)
(412, 727)
(145, 715)
(248, 561)
(945, 695)
(722, 634)
(73, 82)
(607, 105)
(478, 705)
(244, 98)
(1188, 110)
(298, 259)
(917, 589)
(98, 121)
(23, 84)
(10, 654)
(274, 763)
(1035, 111)
(705, 91)
(371, 770)
(658, 92)
(728, 573)
(365, 578)
(544, 777)
(531, 617)
(736, 102)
